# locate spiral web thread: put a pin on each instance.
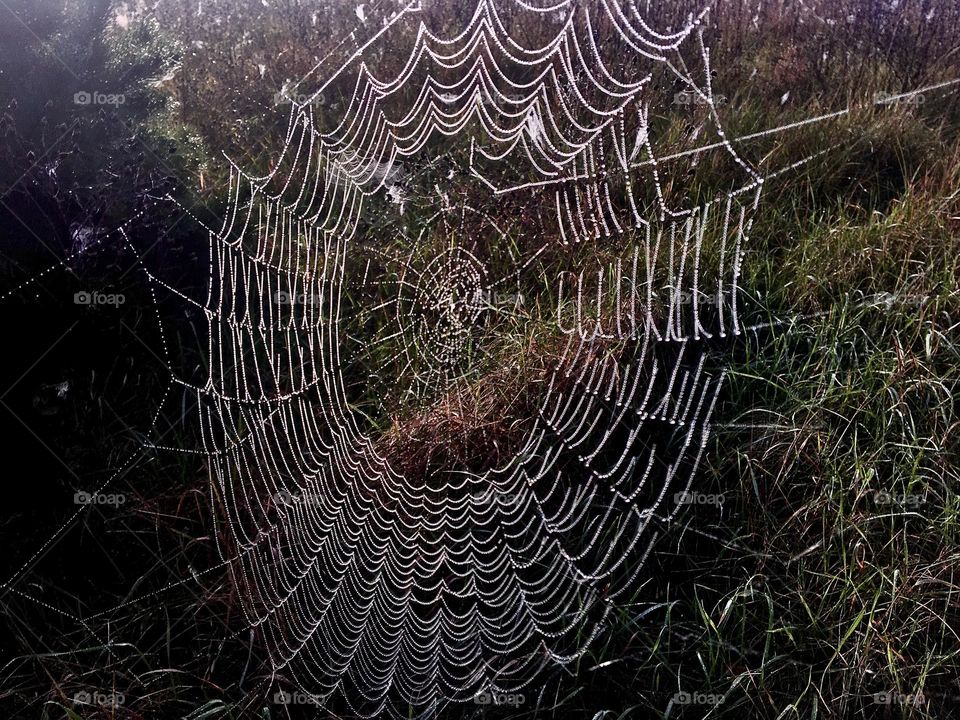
(402, 588)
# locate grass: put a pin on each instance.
(827, 586)
(848, 504)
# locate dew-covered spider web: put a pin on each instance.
(461, 343)
(439, 460)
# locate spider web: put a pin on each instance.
(362, 293)
(459, 345)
